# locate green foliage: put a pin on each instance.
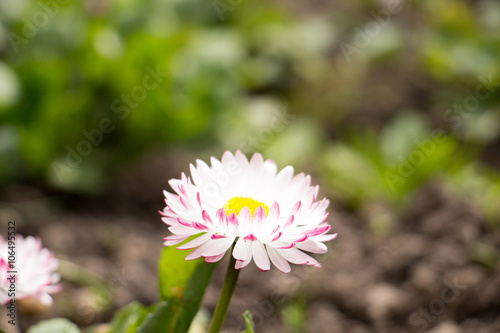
(294, 315)
(175, 271)
(250, 327)
(486, 255)
(152, 71)
(56, 325)
(182, 286)
(479, 184)
(390, 167)
(220, 79)
(126, 318)
(183, 282)
(162, 317)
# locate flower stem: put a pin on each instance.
(225, 296)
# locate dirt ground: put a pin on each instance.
(428, 273)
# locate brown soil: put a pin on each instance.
(422, 275)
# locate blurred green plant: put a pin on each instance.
(294, 314)
(391, 166)
(481, 185)
(250, 326)
(182, 286)
(56, 325)
(92, 86)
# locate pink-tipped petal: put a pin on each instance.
(260, 257)
(274, 212)
(175, 239)
(241, 250)
(195, 242)
(283, 219)
(257, 160)
(218, 247)
(312, 246)
(221, 217)
(206, 218)
(278, 260)
(172, 243)
(259, 216)
(198, 199)
(245, 216)
(200, 226)
(296, 256)
(197, 252)
(241, 264)
(218, 236)
(214, 258)
(250, 237)
(325, 238)
(318, 231)
(35, 268)
(297, 208)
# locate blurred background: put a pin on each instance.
(392, 106)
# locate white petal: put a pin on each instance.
(214, 258)
(241, 158)
(296, 256)
(274, 213)
(278, 260)
(202, 214)
(218, 247)
(260, 256)
(310, 245)
(285, 175)
(174, 242)
(270, 168)
(175, 239)
(324, 238)
(183, 230)
(196, 253)
(240, 264)
(244, 221)
(241, 250)
(257, 161)
(45, 299)
(195, 242)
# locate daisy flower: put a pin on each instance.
(269, 216)
(35, 268)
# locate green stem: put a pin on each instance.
(225, 296)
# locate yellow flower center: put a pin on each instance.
(236, 204)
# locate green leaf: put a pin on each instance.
(182, 285)
(174, 272)
(193, 295)
(56, 325)
(248, 322)
(162, 318)
(127, 317)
